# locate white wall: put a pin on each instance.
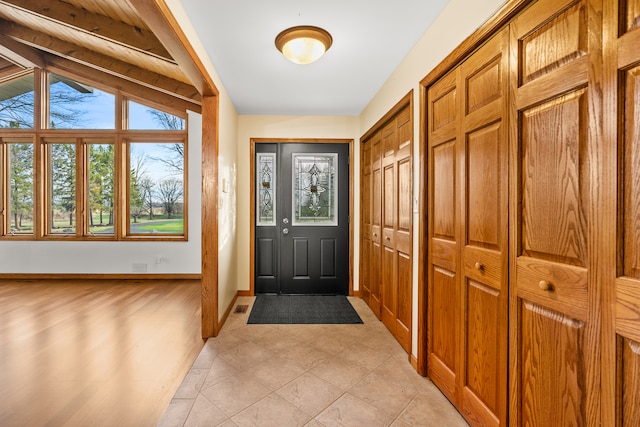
(342, 127)
(458, 20)
(82, 257)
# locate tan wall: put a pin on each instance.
(282, 127)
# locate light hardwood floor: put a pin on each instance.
(94, 352)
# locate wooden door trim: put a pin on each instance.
(252, 204)
(406, 100)
(471, 43)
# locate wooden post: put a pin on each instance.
(209, 216)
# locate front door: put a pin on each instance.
(302, 218)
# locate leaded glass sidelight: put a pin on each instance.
(315, 189)
(266, 188)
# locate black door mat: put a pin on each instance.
(303, 309)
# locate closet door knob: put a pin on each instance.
(479, 266)
(545, 286)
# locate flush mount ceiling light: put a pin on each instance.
(304, 44)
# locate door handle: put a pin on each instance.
(285, 231)
(545, 286)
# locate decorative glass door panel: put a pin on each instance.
(266, 188)
(315, 189)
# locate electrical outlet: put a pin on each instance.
(139, 268)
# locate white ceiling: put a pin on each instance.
(370, 39)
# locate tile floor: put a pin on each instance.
(306, 375)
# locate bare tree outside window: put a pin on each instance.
(17, 104)
(170, 193)
(17, 111)
(137, 195)
(174, 158)
(166, 120)
(75, 105)
(148, 187)
(156, 188)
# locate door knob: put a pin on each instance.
(285, 231)
(479, 266)
(545, 286)
(285, 221)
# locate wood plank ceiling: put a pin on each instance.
(104, 41)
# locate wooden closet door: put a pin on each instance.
(365, 221)
(443, 322)
(375, 277)
(468, 277)
(626, 338)
(483, 226)
(403, 228)
(555, 307)
(396, 232)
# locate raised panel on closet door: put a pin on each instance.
(627, 284)
(389, 189)
(389, 266)
(553, 346)
(554, 312)
(443, 322)
(629, 382)
(631, 15)
(631, 178)
(484, 243)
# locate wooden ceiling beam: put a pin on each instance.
(12, 72)
(20, 54)
(71, 69)
(158, 17)
(93, 23)
(96, 60)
